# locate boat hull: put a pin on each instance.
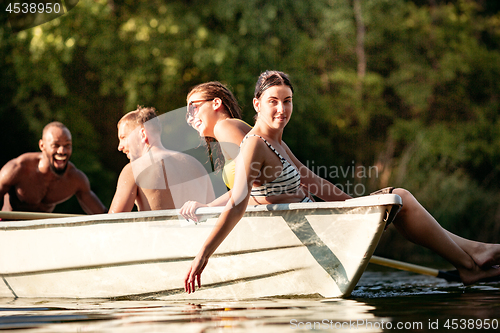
(275, 250)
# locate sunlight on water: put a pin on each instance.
(381, 301)
(152, 316)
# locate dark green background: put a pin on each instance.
(425, 112)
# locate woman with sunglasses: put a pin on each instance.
(214, 112)
(268, 171)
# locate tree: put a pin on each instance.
(408, 87)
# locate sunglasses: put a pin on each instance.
(192, 109)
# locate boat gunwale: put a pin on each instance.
(151, 216)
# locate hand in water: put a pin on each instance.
(194, 274)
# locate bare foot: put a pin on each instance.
(471, 276)
(486, 255)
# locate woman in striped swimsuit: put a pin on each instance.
(268, 172)
(214, 113)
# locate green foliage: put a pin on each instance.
(425, 112)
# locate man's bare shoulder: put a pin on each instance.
(127, 170)
(76, 176)
(127, 174)
(19, 166)
(184, 165)
(25, 160)
(184, 159)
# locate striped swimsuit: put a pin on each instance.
(288, 182)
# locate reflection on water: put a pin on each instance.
(382, 301)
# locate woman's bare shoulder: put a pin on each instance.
(253, 141)
(231, 130)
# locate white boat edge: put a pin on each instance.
(366, 201)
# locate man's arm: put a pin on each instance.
(8, 175)
(126, 192)
(88, 200)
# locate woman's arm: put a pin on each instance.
(316, 185)
(248, 165)
(188, 210)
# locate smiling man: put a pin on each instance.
(37, 182)
(156, 177)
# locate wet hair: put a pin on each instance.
(212, 90)
(269, 79)
(215, 89)
(142, 116)
(57, 124)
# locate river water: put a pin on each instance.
(383, 301)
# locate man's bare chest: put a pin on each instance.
(37, 189)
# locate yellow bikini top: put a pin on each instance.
(228, 173)
(229, 167)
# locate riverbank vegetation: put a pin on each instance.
(409, 87)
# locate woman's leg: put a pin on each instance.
(484, 254)
(418, 226)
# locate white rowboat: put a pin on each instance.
(319, 248)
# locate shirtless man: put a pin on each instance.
(37, 182)
(155, 178)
